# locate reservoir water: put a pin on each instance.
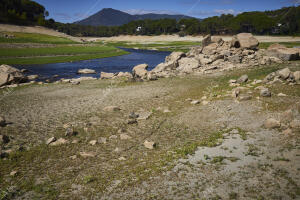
(123, 63)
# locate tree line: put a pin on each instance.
(285, 21)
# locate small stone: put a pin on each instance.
(58, 142)
(87, 154)
(243, 79)
(265, 93)
(113, 137)
(149, 145)
(75, 141)
(195, 102)
(50, 140)
(232, 81)
(133, 115)
(112, 109)
(70, 132)
(281, 95)
(13, 173)
(73, 157)
(271, 123)
(204, 98)
(102, 140)
(93, 142)
(131, 121)
(189, 99)
(122, 158)
(124, 136)
(117, 150)
(166, 111)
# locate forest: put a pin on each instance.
(285, 21)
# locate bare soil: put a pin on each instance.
(173, 38)
(214, 151)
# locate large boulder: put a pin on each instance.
(194, 51)
(86, 71)
(206, 41)
(297, 76)
(245, 41)
(174, 57)
(283, 53)
(187, 65)
(165, 66)
(284, 73)
(217, 40)
(210, 49)
(10, 75)
(140, 71)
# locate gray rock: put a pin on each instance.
(59, 142)
(265, 92)
(188, 65)
(70, 132)
(206, 41)
(247, 41)
(140, 71)
(284, 73)
(243, 79)
(50, 140)
(133, 115)
(102, 140)
(283, 53)
(149, 145)
(297, 76)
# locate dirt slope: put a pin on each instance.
(35, 29)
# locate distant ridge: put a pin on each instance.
(112, 17)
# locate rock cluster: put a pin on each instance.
(283, 76)
(214, 54)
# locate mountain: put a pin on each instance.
(112, 17)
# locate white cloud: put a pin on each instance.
(142, 12)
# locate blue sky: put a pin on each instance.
(74, 10)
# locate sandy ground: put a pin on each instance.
(172, 38)
(35, 29)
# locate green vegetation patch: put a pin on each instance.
(56, 54)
